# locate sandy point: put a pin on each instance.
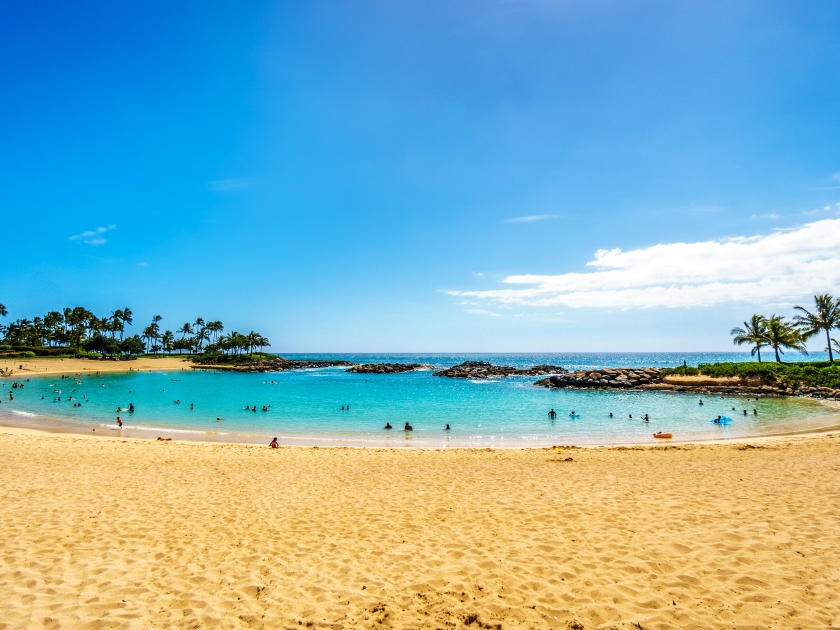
(140, 534)
(20, 368)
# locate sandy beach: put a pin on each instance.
(36, 367)
(110, 533)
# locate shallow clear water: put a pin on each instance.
(305, 406)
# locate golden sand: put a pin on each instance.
(36, 367)
(109, 533)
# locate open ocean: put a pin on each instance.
(305, 406)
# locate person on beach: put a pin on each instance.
(119, 422)
(273, 443)
(388, 425)
(551, 414)
(408, 427)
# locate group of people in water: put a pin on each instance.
(248, 408)
(408, 427)
(553, 415)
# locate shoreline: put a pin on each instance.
(332, 442)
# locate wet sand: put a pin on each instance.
(137, 534)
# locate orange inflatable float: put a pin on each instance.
(662, 435)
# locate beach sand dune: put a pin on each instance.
(99, 533)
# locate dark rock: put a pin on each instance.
(388, 368)
(484, 369)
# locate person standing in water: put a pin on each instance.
(119, 422)
(553, 414)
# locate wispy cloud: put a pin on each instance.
(772, 216)
(779, 268)
(481, 311)
(531, 218)
(93, 237)
(225, 185)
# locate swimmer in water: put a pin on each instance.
(408, 427)
(611, 414)
(701, 402)
(646, 418)
(551, 414)
(630, 416)
(745, 412)
(447, 428)
(388, 425)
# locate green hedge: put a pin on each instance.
(811, 373)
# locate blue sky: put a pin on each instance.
(427, 176)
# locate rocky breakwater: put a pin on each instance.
(484, 369)
(608, 378)
(388, 368)
(278, 364)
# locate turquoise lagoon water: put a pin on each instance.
(305, 405)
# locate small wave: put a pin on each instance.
(143, 427)
(24, 413)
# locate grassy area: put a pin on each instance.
(811, 373)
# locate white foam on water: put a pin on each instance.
(24, 413)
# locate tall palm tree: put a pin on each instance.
(3, 311)
(185, 330)
(782, 334)
(127, 318)
(754, 332)
(826, 316)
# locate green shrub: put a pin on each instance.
(811, 373)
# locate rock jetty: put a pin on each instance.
(484, 369)
(278, 364)
(650, 378)
(388, 368)
(608, 378)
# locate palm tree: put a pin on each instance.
(215, 327)
(185, 330)
(782, 334)
(127, 318)
(826, 316)
(3, 311)
(753, 332)
(166, 340)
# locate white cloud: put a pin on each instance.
(224, 185)
(779, 268)
(479, 311)
(93, 237)
(530, 218)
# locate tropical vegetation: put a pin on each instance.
(777, 333)
(78, 331)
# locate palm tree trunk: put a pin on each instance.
(758, 349)
(828, 339)
(776, 348)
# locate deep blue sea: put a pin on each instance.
(304, 407)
